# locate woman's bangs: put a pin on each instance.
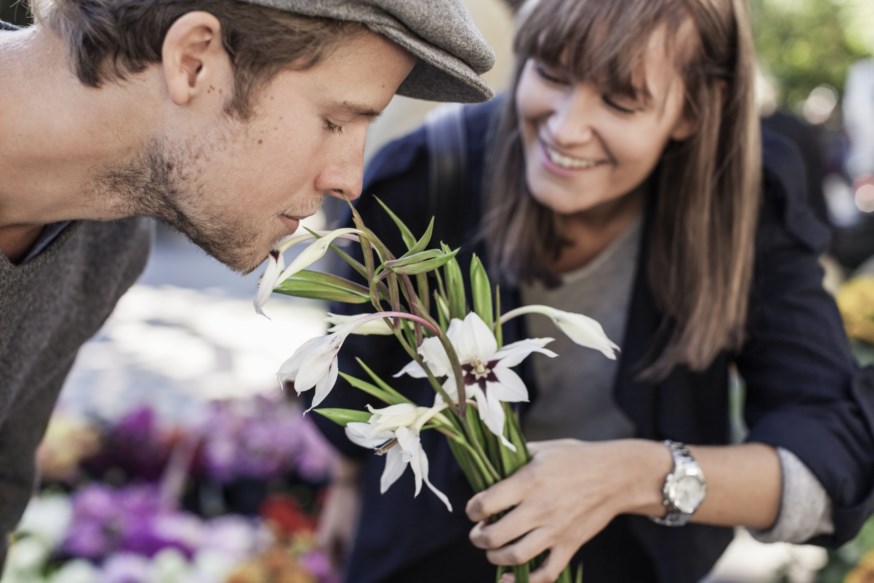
(598, 42)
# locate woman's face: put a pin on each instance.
(585, 150)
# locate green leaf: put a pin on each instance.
(391, 397)
(343, 416)
(323, 286)
(425, 239)
(412, 258)
(426, 265)
(399, 398)
(454, 286)
(409, 239)
(442, 310)
(481, 290)
(499, 328)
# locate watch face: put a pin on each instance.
(687, 493)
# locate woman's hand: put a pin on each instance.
(567, 494)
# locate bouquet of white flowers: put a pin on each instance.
(458, 350)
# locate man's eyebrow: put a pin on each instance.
(357, 110)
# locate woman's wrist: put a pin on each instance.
(649, 462)
(346, 473)
(346, 481)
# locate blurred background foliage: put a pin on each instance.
(806, 43)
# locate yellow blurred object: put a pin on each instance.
(856, 302)
(864, 571)
(276, 565)
(68, 439)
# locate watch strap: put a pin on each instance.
(684, 465)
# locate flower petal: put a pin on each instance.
(513, 354)
(325, 384)
(290, 368)
(509, 387)
(585, 331)
(394, 468)
(267, 283)
(314, 368)
(361, 434)
(314, 251)
(491, 411)
(413, 369)
(412, 452)
(435, 357)
(423, 469)
(377, 326)
(476, 341)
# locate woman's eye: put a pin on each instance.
(622, 105)
(549, 75)
(333, 128)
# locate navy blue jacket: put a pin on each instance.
(805, 392)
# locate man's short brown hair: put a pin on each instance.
(111, 39)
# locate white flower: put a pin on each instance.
(26, 556)
(395, 430)
(267, 283)
(314, 364)
(49, 517)
(581, 329)
(377, 327)
(76, 571)
(169, 566)
(315, 251)
(275, 273)
(486, 369)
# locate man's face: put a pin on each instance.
(236, 187)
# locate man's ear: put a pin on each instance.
(193, 57)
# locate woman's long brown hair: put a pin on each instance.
(707, 187)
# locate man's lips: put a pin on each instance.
(291, 222)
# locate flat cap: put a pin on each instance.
(451, 52)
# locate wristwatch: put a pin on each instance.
(684, 488)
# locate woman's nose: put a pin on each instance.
(573, 119)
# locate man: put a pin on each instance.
(228, 119)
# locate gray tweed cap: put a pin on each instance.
(440, 33)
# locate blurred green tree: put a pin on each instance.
(805, 43)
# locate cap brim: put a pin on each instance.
(438, 75)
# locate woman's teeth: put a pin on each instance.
(567, 162)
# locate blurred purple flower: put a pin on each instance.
(318, 564)
(260, 438)
(125, 568)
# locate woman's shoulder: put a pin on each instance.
(785, 204)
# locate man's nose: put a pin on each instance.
(343, 172)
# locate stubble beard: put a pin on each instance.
(162, 184)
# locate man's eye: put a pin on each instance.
(549, 75)
(333, 128)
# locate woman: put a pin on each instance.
(623, 176)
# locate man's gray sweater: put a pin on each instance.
(49, 307)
